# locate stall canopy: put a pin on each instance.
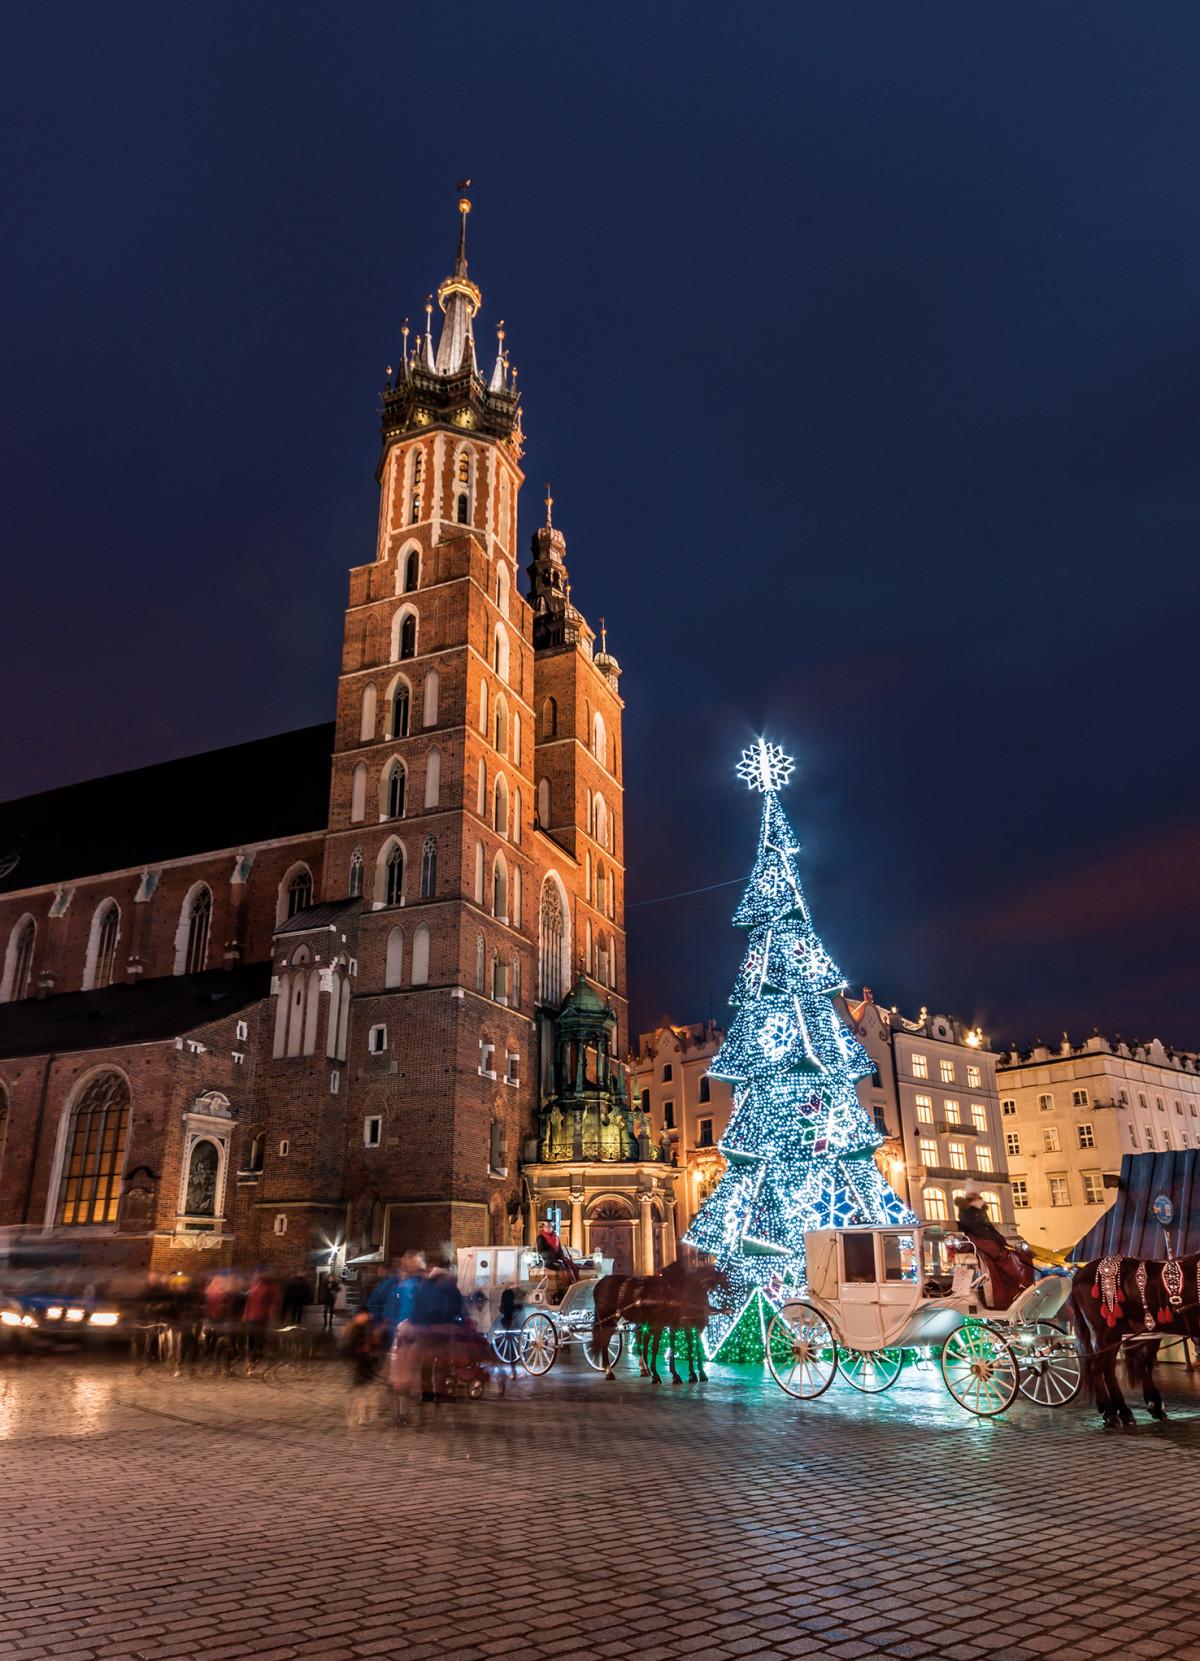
(1130, 1226)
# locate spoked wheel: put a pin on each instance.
(871, 1371)
(1050, 1371)
(506, 1342)
(801, 1352)
(980, 1370)
(539, 1343)
(612, 1352)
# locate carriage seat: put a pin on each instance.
(1040, 1302)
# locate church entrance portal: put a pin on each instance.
(612, 1236)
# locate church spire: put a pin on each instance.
(460, 300)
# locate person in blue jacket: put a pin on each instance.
(391, 1300)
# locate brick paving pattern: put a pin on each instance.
(176, 1520)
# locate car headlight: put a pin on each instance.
(53, 1314)
(76, 1314)
(28, 1320)
(9, 1317)
(104, 1317)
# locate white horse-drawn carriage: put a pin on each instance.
(879, 1295)
(550, 1310)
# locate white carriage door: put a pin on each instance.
(859, 1289)
(899, 1281)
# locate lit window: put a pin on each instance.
(705, 1138)
(96, 1152)
(372, 1130)
(1093, 1188)
(1086, 1140)
(928, 1149)
(1012, 1142)
(958, 1157)
(1050, 1139)
(974, 1079)
(979, 1117)
(934, 1202)
(924, 1110)
(1058, 1191)
(1008, 1108)
(377, 1040)
(951, 1110)
(983, 1158)
(920, 1066)
(1079, 1098)
(947, 1071)
(1046, 1103)
(1020, 1195)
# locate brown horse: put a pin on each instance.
(674, 1301)
(1136, 1303)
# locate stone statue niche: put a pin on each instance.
(585, 1114)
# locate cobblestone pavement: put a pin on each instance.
(173, 1520)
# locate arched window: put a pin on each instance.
(480, 962)
(412, 571)
(544, 804)
(299, 895)
(420, 956)
(991, 1204)
(500, 809)
(516, 816)
(553, 943)
(464, 508)
(463, 474)
(516, 738)
(19, 960)
(599, 746)
(483, 707)
(601, 889)
(358, 793)
(502, 587)
(356, 873)
(199, 919)
(400, 708)
(482, 787)
(339, 1012)
(433, 777)
(429, 868)
(550, 719)
(500, 653)
(393, 881)
(95, 1152)
(366, 725)
(431, 698)
(479, 873)
(501, 726)
(514, 899)
(394, 970)
(397, 780)
(600, 825)
(500, 889)
(934, 1201)
(200, 1199)
(499, 979)
(258, 1151)
(105, 927)
(602, 960)
(408, 635)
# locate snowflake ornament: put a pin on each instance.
(765, 767)
(776, 1035)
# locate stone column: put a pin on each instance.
(647, 1204)
(669, 1252)
(577, 1245)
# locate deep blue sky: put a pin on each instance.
(860, 342)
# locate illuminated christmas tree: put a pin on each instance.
(799, 1148)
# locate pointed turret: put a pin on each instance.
(556, 622)
(460, 300)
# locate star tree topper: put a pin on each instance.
(765, 767)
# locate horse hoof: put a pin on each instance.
(675, 1380)
(1158, 1412)
(1127, 1418)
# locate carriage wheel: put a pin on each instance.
(1050, 1370)
(612, 1351)
(980, 1370)
(871, 1371)
(506, 1342)
(539, 1343)
(801, 1352)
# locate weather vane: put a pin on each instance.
(765, 767)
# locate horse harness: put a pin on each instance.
(1108, 1288)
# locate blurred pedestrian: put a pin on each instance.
(263, 1301)
(360, 1344)
(297, 1295)
(329, 1296)
(391, 1299)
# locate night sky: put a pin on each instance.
(859, 342)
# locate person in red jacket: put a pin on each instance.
(263, 1302)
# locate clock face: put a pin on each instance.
(464, 418)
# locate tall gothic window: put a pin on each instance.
(95, 1152)
(400, 712)
(23, 958)
(516, 982)
(552, 944)
(356, 873)
(198, 926)
(396, 793)
(549, 719)
(429, 868)
(412, 570)
(299, 892)
(480, 962)
(499, 890)
(106, 946)
(395, 874)
(408, 636)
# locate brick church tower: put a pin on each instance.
(474, 854)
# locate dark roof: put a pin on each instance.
(222, 799)
(134, 1012)
(321, 916)
(1129, 1226)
